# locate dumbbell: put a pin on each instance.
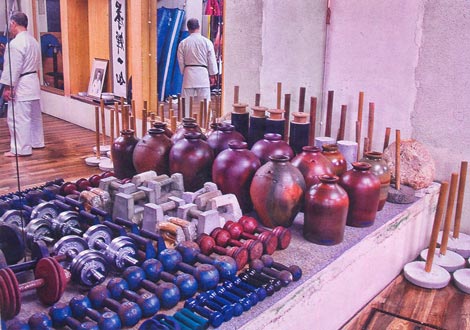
(250, 225)
(284, 276)
(119, 252)
(61, 315)
(50, 282)
(191, 254)
(206, 275)
(17, 325)
(237, 282)
(293, 269)
(186, 283)
(148, 302)
(246, 278)
(81, 307)
(223, 238)
(231, 296)
(225, 306)
(129, 312)
(40, 321)
(208, 246)
(163, 322)
(214, 317)
(191, 319)
(11, 243)
(269, 240)
(276, 283)
(190, 211)
(66, 223)
(168, 293)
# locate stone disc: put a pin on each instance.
(106, 164)
(451, 261)
(462, 279)
(437, 278)
(104, 149)
(405, 195)
(93, 161)
(54, 278)
(459, 245)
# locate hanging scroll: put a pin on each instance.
(118, 45)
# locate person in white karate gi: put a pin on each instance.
(22, 88)
(196, 60)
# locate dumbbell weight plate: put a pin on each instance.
(68, 219)
(10, 293)
(84, 262)
(118, 248)
(54, 278)
(98, 233)
(69, 243)
(3, 261)
(48, 209)
(14, 217)
(12, 243)
(36, 229)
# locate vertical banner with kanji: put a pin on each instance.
(118, 45)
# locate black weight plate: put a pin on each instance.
(12, 243)
(39, 250)
(3, 261)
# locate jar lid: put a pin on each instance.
(239, 107)
(259, 112)
(300, 117)
(276, 114)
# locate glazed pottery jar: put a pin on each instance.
(277, 191)
(336, 158)
(163, 126)
(193, 158)
(219, 139)
(152, 152)
(272, 144)
(311, 163)
(188, 125)
(326, 211)
(363, 190)
(380, 168)
(232, 171)
(122, 151)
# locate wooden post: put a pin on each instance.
(257, 99)
(329, 113)
(111, 123)
(461, 193)
(360, 107)
(236, 92)
(287, 117)
(370, 126)
(313, 119)
(387, 137)
(279, 95)
(116, 113)
(103, 122)
(397, 159)
(448, 216)
(97, 127)
(342, 123)
(302, 99)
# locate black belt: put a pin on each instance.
(203, 66)
(27, 73)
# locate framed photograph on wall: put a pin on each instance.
(97, 75)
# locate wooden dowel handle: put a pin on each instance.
(329, 113)
(370, 126)
(302, 99)
(460, 195)
(97, 127)
(103, 122)
(116, 114)
(342, 122)
(144, 122)
(436, 225)
(287, 116)
(387, 137)
(360, 107)
(236, 94)
(257, 99)
(278, 95)
(448, 216)
(111, 124)
(358, 138)
(397, 159)
(313, 119)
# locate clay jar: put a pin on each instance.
(312, 164)
(326, 211)
(152, 152)
(193, 158)
(271, 145)
(363, 190)
(188, 125)
(163, 126)
(218, 140)
(277, 191)
(122, 150)
(331, 152)
(380, 168)
(232, 171)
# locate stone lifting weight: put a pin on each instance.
(186, 283)
(206, 220)
(61, 316)
(81, 307)
(50, 282)
(119, 252)
(209, 246)
(224, 238)
(206, 275)
(191, 254)
(129, 312)
(168, 293)
(250, 225)
(148, 302)
(269, 240)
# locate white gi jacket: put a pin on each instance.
(196, 59)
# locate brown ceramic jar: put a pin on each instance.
(380, 168)
(271, 145)
(152, 152)
(312, 164)
(336, 158)
(122, 151)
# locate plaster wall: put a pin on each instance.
(414, 66)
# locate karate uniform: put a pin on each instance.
(21, 75)
(196, 60)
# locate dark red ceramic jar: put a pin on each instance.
(271, 145)
(219, 139)
(122, 151)
(152, 152)
(380, 168)
(312, 164)
(331, 152)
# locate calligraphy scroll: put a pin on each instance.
(118, 44)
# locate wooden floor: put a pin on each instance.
(400, 306)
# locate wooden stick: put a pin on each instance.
(200, 113)
(111, 123)
(190, 106)
(173, 123)
(257, 99)
(397, 160)
(358, 139)
(329, 113)
(342, 122)
(286, 116)
(366, 144)
(458, 209)
(313, 119)
(279, 95)
(302, 99)
(144, 122)
(103, 122)
(360, 106)
(236, 94)
(97, 127)
(205, 113)
(116, 113)
(162, 113)
(387, 137)
(132, 123)
(170, 104)
(180, 110)
(370, 126)
(436, 225)
(183, 107)
(448, 216)
(125, 117)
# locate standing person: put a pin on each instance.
(22, 89)
(196, 59)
